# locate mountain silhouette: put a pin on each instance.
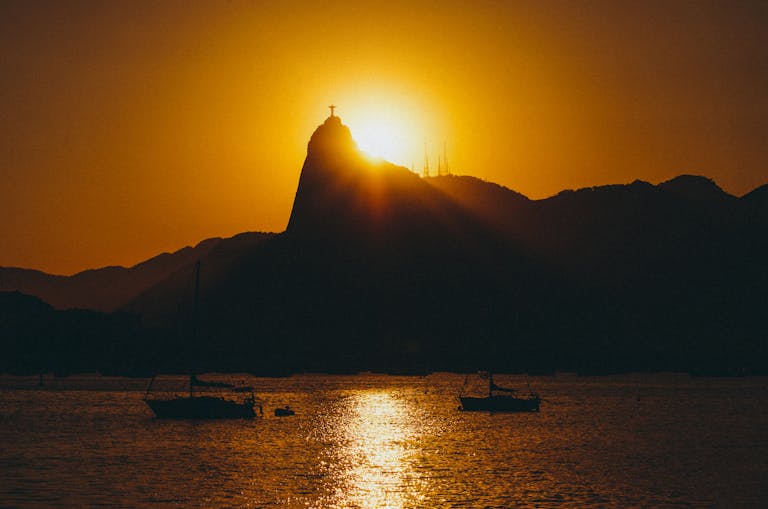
(374, 262)
(380, 269)
(756, 203)
(758, 196)
(696, 188)
(109, 288)
(36, 338)
(346, 200)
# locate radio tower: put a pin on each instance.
(445, 160)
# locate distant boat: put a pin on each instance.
(507, 402)
(284, 411)
(225, 405)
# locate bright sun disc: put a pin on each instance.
(381, 139)
(388, 126)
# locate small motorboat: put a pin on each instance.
(284, 411)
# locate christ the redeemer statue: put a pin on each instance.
(333, 107)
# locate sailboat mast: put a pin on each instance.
(194, 319)
(197, 293)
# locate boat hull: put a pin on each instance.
(200, 407)
(500, 404)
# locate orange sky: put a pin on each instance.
(132, 128)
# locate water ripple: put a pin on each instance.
(390, 442)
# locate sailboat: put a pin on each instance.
(509, 401)
(203, 405)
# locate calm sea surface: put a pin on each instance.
(397, 442)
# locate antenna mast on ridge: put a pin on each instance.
(445, 160)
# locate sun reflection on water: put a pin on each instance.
(379, 442)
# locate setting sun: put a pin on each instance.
(388, 125)
(383, 138)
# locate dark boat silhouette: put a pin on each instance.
(225, 405)
(507, 402)
(202, 406)
(285, 411)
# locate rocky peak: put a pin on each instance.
(331, 141)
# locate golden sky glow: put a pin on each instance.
(132, 128)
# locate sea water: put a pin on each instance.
(378, 441)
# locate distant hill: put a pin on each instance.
(495, 205)
(36, 338)
(109, 288)
(758, 196)
(617, 228)
(756, 202)
(696, 188)
(162, 303)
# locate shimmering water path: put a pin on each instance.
(398, 442)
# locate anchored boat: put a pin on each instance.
(499, 399)
(228, 403)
